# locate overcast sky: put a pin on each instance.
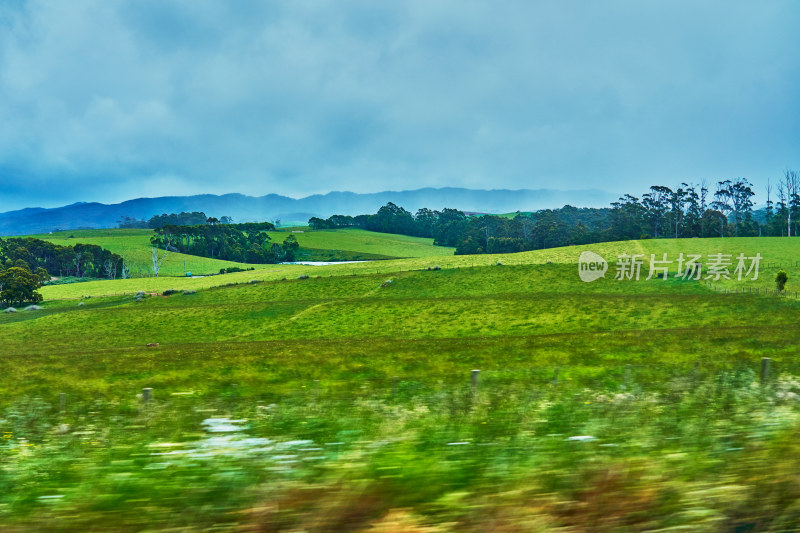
(106, 100)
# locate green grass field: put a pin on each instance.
(360, 244)
(345, 399)
(777, 253)
(135, 243)
(324, 245)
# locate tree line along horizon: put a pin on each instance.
(685, 211)
(663, 212)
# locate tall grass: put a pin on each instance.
(713, 452)
(347, 404)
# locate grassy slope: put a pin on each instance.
(136, 245)
(318, 245)
(367, 242)
(535, 315)
(682, 453)
(775, 250)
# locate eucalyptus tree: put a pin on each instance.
(656, 203)
(741, 198)
(692, 219)
(723, 202)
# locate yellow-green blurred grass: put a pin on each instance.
(376, 376)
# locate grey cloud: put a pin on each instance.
(112, 100)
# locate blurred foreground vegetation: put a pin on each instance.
(710, 452)
(345, 403)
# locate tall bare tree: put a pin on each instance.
(125, 271)
(77, 262)
(788, 195)
(110, 268)
(157, 257)
(769, 208)
(792, 198)
(677, 201)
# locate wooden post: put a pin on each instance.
(147, 394)
(62, 401)
(765, 361)
(474, 378)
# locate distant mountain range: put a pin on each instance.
(293, 210)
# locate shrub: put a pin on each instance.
(33, 308)
(169, 292)
(10, 310)
(189, 292)
(231, 270)
(302, 277)
(780, 279)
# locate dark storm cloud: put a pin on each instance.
(108, 100)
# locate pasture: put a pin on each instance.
(344, 400)
(135, 244)
(777, 253)
(322, 245)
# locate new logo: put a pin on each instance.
(591, 266)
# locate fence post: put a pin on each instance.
(147, 394)
(765, 362)
(474, 379)
(555, 377)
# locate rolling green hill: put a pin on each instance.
(345, 397)
(326, 245)
(135, 243)
(358, 241)
(776, 252)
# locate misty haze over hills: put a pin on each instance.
(294, 211)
